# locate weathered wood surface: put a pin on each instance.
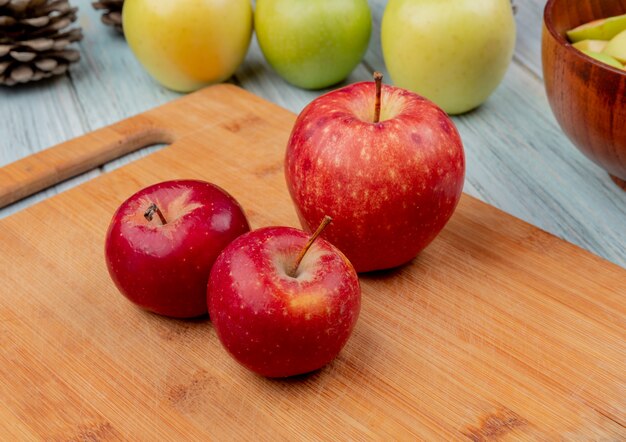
(497, 331)
(518, 159)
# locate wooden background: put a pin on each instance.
(517, 157)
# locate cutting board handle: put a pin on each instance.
(66, 160)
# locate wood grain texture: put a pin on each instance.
(49, 167)
(588, 97)
(518, 158)
(497, 330)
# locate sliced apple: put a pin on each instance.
(604, 58)
(604, 29)
(591, 45)
(616, 48)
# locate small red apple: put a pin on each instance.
(278, 309)
(385, 163)
(163, 240)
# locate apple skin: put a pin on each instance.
(453, 52)
(188, 44)
(274, 324)
(165, 268)
(603, 29)
(313, 44)
(390, 186)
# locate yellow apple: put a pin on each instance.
(187, 44)
(453, 52)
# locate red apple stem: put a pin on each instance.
(151, 210)
(378, 78)
(325, 222)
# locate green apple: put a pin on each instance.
(187, 44)
(616, 48)
(604, 58)
(604, 29)
(453, 52)
(313, 44)
(591, 45)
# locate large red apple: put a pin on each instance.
(273, 319)
(163, 241)
(389, 181)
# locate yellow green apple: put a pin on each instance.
(616, 48)
(453, 52)
(591, 45)
(604, 29)
(604, 58)
(187, 44)
(313, 44)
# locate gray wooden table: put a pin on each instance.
(517, 157)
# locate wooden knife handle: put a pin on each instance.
(66, 160)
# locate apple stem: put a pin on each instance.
(325, 222)
(150, 211)
(378, 78)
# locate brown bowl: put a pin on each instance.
(587, 97)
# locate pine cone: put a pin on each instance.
(112, 15)
(34, 40)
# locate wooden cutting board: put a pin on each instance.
(496, 331)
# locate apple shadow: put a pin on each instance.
(299, 379)
(386, 274)
(246, 71)
(202, 319)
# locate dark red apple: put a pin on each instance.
(163, 241)
(273, 319)
(389, 181)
